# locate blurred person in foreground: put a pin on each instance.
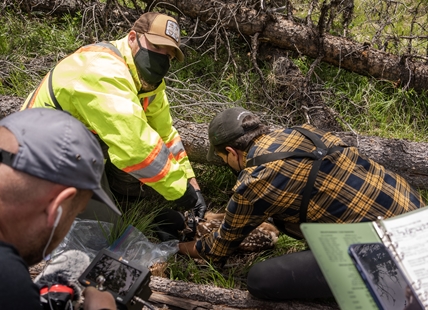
(293, 175)
(50, 167)
(117, 90)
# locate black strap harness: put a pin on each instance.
(317, 155)
(6, 158)
(51, 91)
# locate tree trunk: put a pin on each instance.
(180, 295)
(283, 33)
(195, 296)
(409, 159)
(276, 30)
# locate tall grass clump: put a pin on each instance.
(373, 107)
(30, 47)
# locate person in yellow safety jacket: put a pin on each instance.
(116, 89)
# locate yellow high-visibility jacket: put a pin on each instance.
(101, 89)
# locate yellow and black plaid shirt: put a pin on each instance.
(349, 188)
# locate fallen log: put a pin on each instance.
(275, 29)
(407, 158)
(278, 31)
(178, 295)
(190, 296)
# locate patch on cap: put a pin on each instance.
(172, 30)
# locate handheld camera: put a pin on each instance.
(126, 281)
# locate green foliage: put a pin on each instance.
(226, 280)
(33, 37)
(180, 268)
(424, 194)
(287, 244)
(378, 108)
(24, 39)
(205, 70)
(139, 214)
(203, 272)
(216, 183)
(382, 22)
(17, 84)
(224, 78)
(233, 273)
(202, 69)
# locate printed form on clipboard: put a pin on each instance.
(405, 235)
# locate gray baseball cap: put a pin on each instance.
(225, 127)
(56, 147)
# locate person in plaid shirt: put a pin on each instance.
(347, 187)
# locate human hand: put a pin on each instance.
(189, 249)
(97, 300)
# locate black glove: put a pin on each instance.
(200, 206)
(188, 200)
(168, 224)
(195, 216)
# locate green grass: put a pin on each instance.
(216, 183)
(139, 214)
(187, 269)
(210, 80)
(370, 16)
(35, 38)
(24, 40)
(202, 272)
(373, 107)
(233, 273)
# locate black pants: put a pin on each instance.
(119, 181)
(291, 276)
(125, 188)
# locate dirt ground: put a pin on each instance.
(8, 105)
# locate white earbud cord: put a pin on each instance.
(58, 217)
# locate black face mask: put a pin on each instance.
(151, 66)
(235, 172)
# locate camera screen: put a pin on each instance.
(119, 277)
